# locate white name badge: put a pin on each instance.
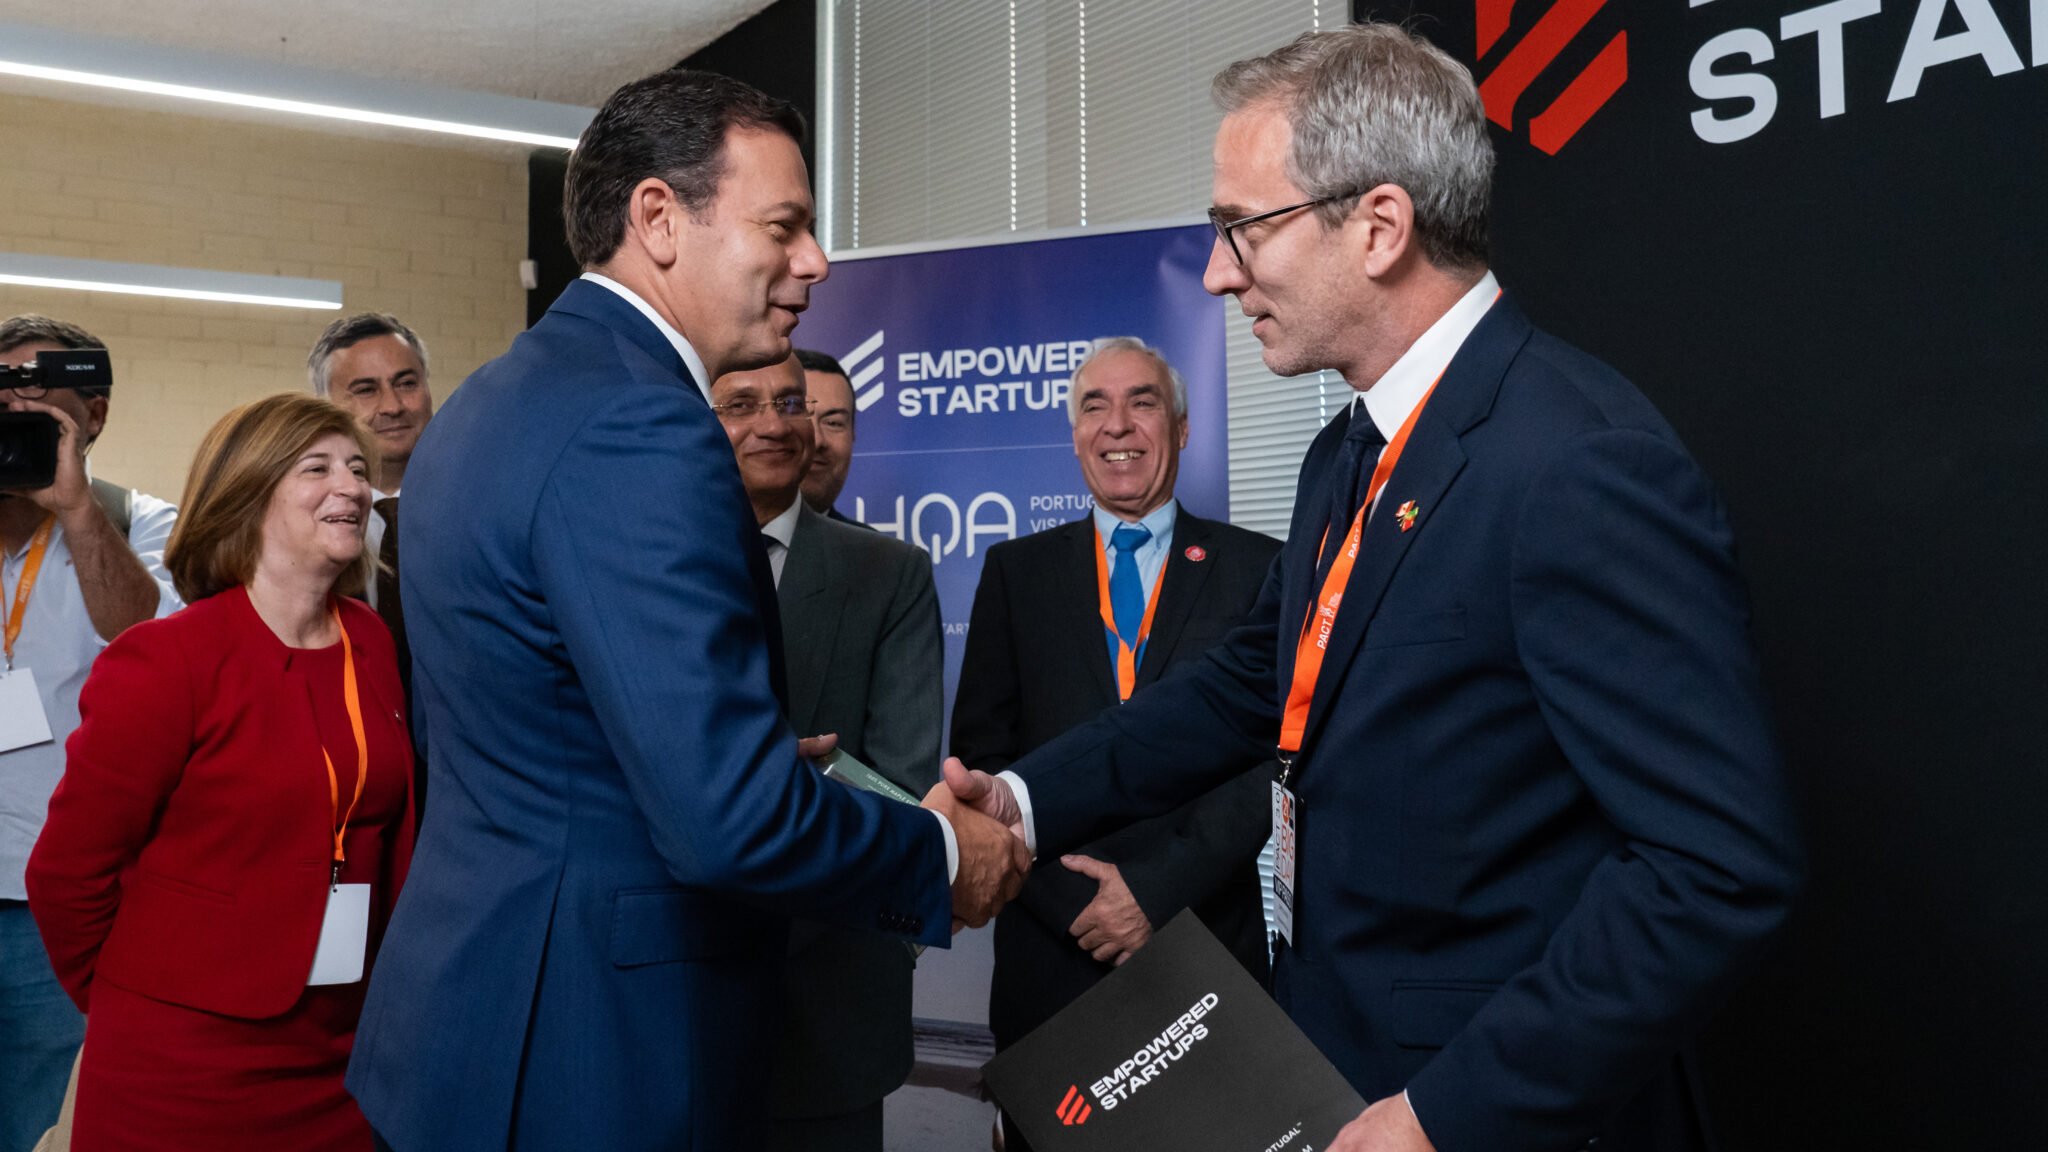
(22, 721)
(344, 936)
(1286, 820)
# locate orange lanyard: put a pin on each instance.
(1316, 629)
(1126, 655)
(39, 544)
(354, 702)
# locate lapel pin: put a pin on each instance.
(1406, 514)
(1195, 553)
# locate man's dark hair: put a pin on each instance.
(350, 331)
(670, 126)
(818, 362)
(30, 328)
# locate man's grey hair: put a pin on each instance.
(32, 328)
(1128, 344)
(1374, 104)
(350, 331)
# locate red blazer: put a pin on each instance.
(187, 851)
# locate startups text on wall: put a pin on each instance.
(961, 361)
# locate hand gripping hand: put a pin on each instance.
(986, 794)
(993, 862)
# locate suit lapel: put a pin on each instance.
(1084, 605)
(1432, 461)
(810, 617)
(1304, 540)
(1428, 467)
(1177, 599)
(596, 302)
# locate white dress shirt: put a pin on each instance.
(691, 360)
(1393, 397)
(373, 539)
(777, 534)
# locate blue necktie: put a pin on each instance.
(1349, 476)
(1126, 588)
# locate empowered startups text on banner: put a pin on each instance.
(961, 360)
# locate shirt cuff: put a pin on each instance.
(1022, 793)
(952, 847)
(1411, 1112)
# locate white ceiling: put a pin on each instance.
(567, 51)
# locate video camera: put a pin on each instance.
(28, 440)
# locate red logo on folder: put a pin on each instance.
(1075, 1109)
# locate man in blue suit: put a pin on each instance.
(1539, 818)
(588, 951)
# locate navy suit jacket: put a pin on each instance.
(590, 952)
(1545, 822)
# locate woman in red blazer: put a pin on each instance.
(240, 773)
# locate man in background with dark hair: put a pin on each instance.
(833, 412)
(80, 561)
(376, 367)
(590, 953)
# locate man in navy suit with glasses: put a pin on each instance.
(1538, 821)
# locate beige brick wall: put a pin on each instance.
(431, 234)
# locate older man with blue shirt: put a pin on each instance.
(1070, 622)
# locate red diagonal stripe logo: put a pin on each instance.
(1074, 1108)
(1587, 93)
(1493, 22)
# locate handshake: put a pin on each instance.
(989, 827)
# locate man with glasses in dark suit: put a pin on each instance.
(1504, 657)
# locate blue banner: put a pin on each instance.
(961, 361)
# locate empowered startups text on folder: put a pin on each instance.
(1178, 1048)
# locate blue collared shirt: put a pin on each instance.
(1152, 553)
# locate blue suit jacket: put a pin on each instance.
(589, 950)
(1545, 823)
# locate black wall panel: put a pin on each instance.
(1844, 317)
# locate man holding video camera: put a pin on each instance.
(80, 560)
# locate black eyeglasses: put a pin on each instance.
(741, 411)
(1226, 229)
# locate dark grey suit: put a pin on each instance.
(860, 628)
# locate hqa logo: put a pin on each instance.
(1075, 1109)
(1539, 47)
(864, 377)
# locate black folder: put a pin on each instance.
(1179, 1048)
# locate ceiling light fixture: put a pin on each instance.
(127, 66)
(176, 283)
(275, 104)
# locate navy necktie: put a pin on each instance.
(1126, 587)
(1349, 477)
